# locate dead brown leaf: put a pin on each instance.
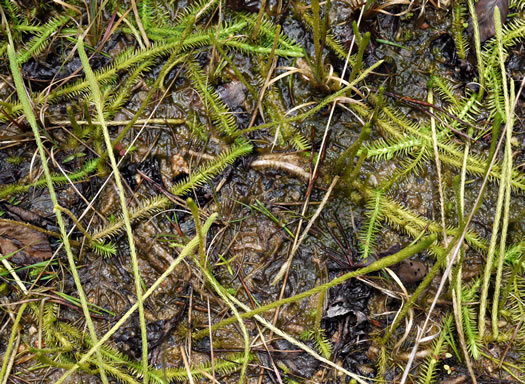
(27, 245)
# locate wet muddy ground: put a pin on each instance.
(259, 199)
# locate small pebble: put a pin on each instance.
(411, 271)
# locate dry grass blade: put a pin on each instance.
(17, 77)
(12, 346)
(13, 274)
(99, 103)
(299, 344)
(285, 267)
(205, 101)
(455, 251)
(188, 249)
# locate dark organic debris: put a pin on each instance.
(340, 307)
(128, 338)
(25, 215)
(444, 49)
(350, 299)
(233, 94)
(346, 321)
(299, 364)
(150, 167)
(27, 245)
(243, 5)
(9, 173)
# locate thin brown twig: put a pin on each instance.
(173, 198)
(139, 23)
(186, 364)
(212, 353)
(261, 335)
(514, 334)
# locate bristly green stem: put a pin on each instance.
(76, 222)
(174, 57)
(198, 228)
(224, 295)
(11, 342)
(507, 170)
(358, 66)
(477, 46)
(414, 296)
(376, 266)
(188, 249)
(99, 104)
(316, 28)
(127, 61)
(318, 107)
(83, 173)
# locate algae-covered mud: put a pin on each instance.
(262, 192)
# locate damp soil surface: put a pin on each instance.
(294, 211)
